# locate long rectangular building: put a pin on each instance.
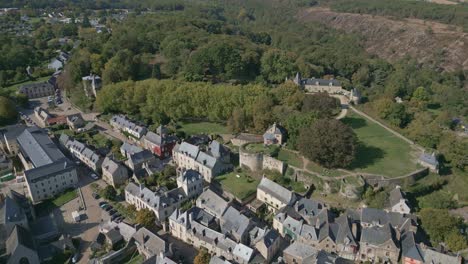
(47, 171)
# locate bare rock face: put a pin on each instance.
(444, 46)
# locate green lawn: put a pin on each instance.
(381, 152)
(290, 158)
(65, 198)
(241, 187)
(191, 128)
(261, 148)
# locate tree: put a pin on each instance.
(277, 65)
(440, 225)
(237, 122)
(203, 257)
(454, 150)
(8, 113)
(146, 218)
(322, 103)
(456, 241)
(328, 142)
(109, 193)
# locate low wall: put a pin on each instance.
(379, 181)
(270, 163)
(119, 255)
(259, 162)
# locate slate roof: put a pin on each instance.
(217, 260)
(114, 236)
(321, 82)
(188, 149)
(75, 118)
(206, 160)
(300, 250)
(276, 190)
(433, 256)
(309, 209)
(122, 122)
(270, 237)
(210, 200)
(36, 145)
(151, 241)
(111, 165)
(243, 252)
(294, 225)
(141, 157)
(309, 232)
(49, 169)
(10, 211)
(34, 86)
(155, 199)
(395, 196)
(409, 248)
(376, 235)
(428, 158)
(19, 236)
(12, 132)
(345, 234)
(153, 138)
(130, 148)
(234, 222)
(190, 176)
(217, 150)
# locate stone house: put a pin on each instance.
(136, 161)
(160, 143)
(189, 227)
(274, 195)
(299, 253)
(92, 84)
(150, 244)
(379, 244)
(128, 149)
(36, 90)
(75, 121)
(80, 151)
(163, 202)
(236, 225)
(113, 172)
(212, 203)
(42, 115)
(398, 203)
(314, 85)
(267, 243)
(8, 135)
(47, 171)
(120, 122)
(274, 135)
(429, 161)
(210, 163)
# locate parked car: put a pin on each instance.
(95, 196)
(113, 217)
(102, 203)
(113, 212)
(105, 206)
(108, 208)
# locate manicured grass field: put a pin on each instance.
(202, 128)
(241, 187)
(65, 198)
(382, 152)
(291, 158)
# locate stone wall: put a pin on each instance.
(270, 163)
(259, 162)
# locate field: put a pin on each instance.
(381, 152)
(191, 128)
(261, 148)
(241, 187)
(311, 166)
(65, 198)
(290, 158)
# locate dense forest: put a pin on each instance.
(448, 14)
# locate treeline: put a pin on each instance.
(449, 14)
(96, 4)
